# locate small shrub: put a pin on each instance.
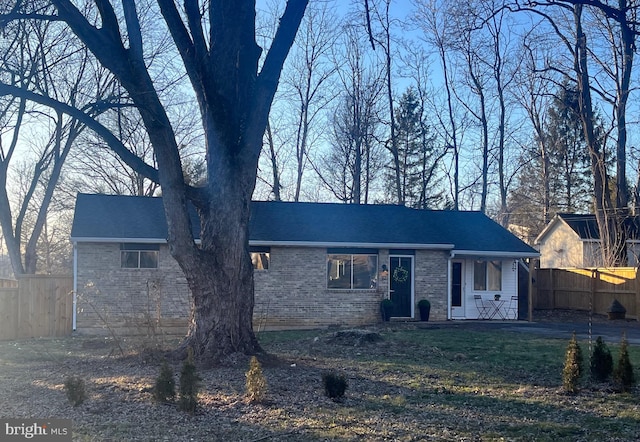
(386, 308)
(256, 382)
(623, 373)
(335, 384)
(572, 370)
(601, 361)
(165, 387)
(189, 385)
(75, 390)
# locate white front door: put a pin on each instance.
(457, 290)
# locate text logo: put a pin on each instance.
(39, 430)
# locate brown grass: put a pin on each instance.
(441, 384)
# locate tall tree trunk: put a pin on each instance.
(627, 39)
(612, 235)
(220, 276)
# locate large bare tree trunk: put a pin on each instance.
(221, 60)
(612, 233)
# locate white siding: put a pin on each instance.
(509, 288)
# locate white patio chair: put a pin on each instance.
(483, 309)
(512, 310)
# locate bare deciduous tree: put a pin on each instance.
(216, 41)
(29, 60)
(355, 156)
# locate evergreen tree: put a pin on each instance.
(601, 361)
(568, 152)
(189, 385)
(623, 373)
(417, 160)
(572, 366)
(256, 382)
(165, 386)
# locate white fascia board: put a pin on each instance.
(556, 219)
(258, 243)
(120, 240)
(476, 253)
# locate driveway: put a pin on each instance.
(611, 333)
(562, 324)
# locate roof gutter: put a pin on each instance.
(76, 240)
(496, 254)
(351, 245)
(261, 243)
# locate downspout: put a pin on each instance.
(449, 271)
(75, 284)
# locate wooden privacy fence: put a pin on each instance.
(39, 306)
(583, 289)
(8, 283)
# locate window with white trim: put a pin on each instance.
(487, 275)
(352, 271)
(139, 256)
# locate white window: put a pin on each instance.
(352, 271)
(139, 256)
(487, 276)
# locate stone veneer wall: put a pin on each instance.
(292, 293)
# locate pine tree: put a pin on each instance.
(165, 386)
(256, 382)
(189, 385)
(572, 366)
(623, 373)
(601, 361)
(416, 155)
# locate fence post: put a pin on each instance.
(552, 290)
(592, 293)
(533, 290)
(637, 287)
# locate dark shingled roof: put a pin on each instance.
(586, 225)
(137, 219)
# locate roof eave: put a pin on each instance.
(548, 227)
(77, 239)
(495, 253)
(364, 245)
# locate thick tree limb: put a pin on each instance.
(114, 143)
(270, 75)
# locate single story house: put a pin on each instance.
(316, 264)
(573, 241)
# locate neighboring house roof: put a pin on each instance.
(586, 226)
(141, 219)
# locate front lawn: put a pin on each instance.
(440, 384)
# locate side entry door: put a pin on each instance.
(457, 290)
